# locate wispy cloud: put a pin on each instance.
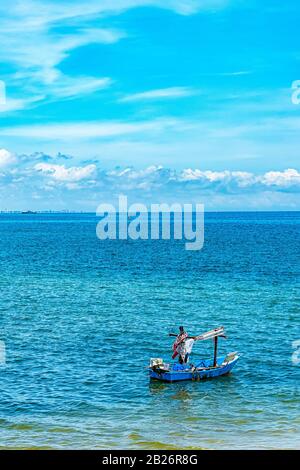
(160, 94)
(31, 43)
(36, 36)
(64, 87)
(266, 125)
(86, 130)
(16, 104)
(235, 74)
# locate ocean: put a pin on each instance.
(81, 317)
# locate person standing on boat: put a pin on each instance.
(179, 345)
(183, 345)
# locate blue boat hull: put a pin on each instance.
(203, 370)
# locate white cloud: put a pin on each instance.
(280, 180)
(63, 174)
(241, 178)
(153, 176)
(283, 179)
(195, 180)
(6, 158)
(163, 93)
(43, 177)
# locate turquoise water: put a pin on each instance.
(81, 317)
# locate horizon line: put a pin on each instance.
(67, 211)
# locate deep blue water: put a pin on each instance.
(81, 317)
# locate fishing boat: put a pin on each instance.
(204, 369)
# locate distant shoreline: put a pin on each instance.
(69, 212)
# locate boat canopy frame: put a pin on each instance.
(213, 334)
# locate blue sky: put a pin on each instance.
(159, 99)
